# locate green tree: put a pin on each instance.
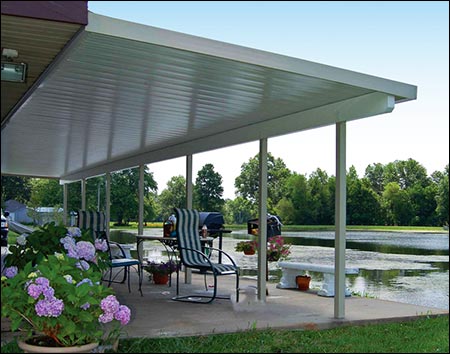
(442, 198)
(46, 192)
(423, 202)
(320, 194)
(150, 207)
(238, 211)
(397, 205)
(375, 175)
(406, 174)
(363, 207)
(95, 193)
(125, 193)
(174, 196)
(295, 207)
(247, 183)
(16, 188)
(208, 190)
(74, 196)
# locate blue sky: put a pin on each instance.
(405, 41)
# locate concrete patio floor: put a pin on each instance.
(156, 314)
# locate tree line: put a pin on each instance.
(397, 193)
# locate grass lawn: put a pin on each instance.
(425, 335)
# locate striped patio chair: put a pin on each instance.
(120, 263)
(192, 256)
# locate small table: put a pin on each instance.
(218, 232)
(169, 243)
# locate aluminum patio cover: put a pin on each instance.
(123, 94)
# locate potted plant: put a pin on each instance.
(160, 271)
(58, 299)
(277, 249)
(248, 247)
(50, 239)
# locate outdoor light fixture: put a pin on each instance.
(11, 71)
(14, 72)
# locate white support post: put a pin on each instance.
(189, 199)
(262, 228)
(141, 200)
(83, 194)
(340, 221)
(107, 201)
(189, 179)
(65, 204)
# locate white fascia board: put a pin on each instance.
(356, 108)
(158, 36)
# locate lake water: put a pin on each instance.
(403, 267)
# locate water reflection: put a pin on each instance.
(366, 246)
(384, 242)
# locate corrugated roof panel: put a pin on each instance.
(111, 98)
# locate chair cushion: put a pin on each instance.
(124, 262)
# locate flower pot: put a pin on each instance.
(303, 282)
(249, 252)
(33, 348)
(273, 257)
(160, 278)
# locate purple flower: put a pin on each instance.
(11, 272)
(85, 250)
(106, 317)
(83, 265)
(73, 231)
(34, 290)
(123, 314)
(101, 245)
(85, 306)
(42, 281)
(49, 307)
(48, 292)
(110, 304)
(85, 280)
(69, 244)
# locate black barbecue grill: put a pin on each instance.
(273, 226)
(213, 220)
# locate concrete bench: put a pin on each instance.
(291, 269)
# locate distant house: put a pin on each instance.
(19, 212)
(47, 214)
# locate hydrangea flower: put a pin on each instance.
(43, 291)
(11, 272)
(22, 240)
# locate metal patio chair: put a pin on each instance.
(120, 261)
(192, 256)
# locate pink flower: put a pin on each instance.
(123, 314)
(110, 304)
